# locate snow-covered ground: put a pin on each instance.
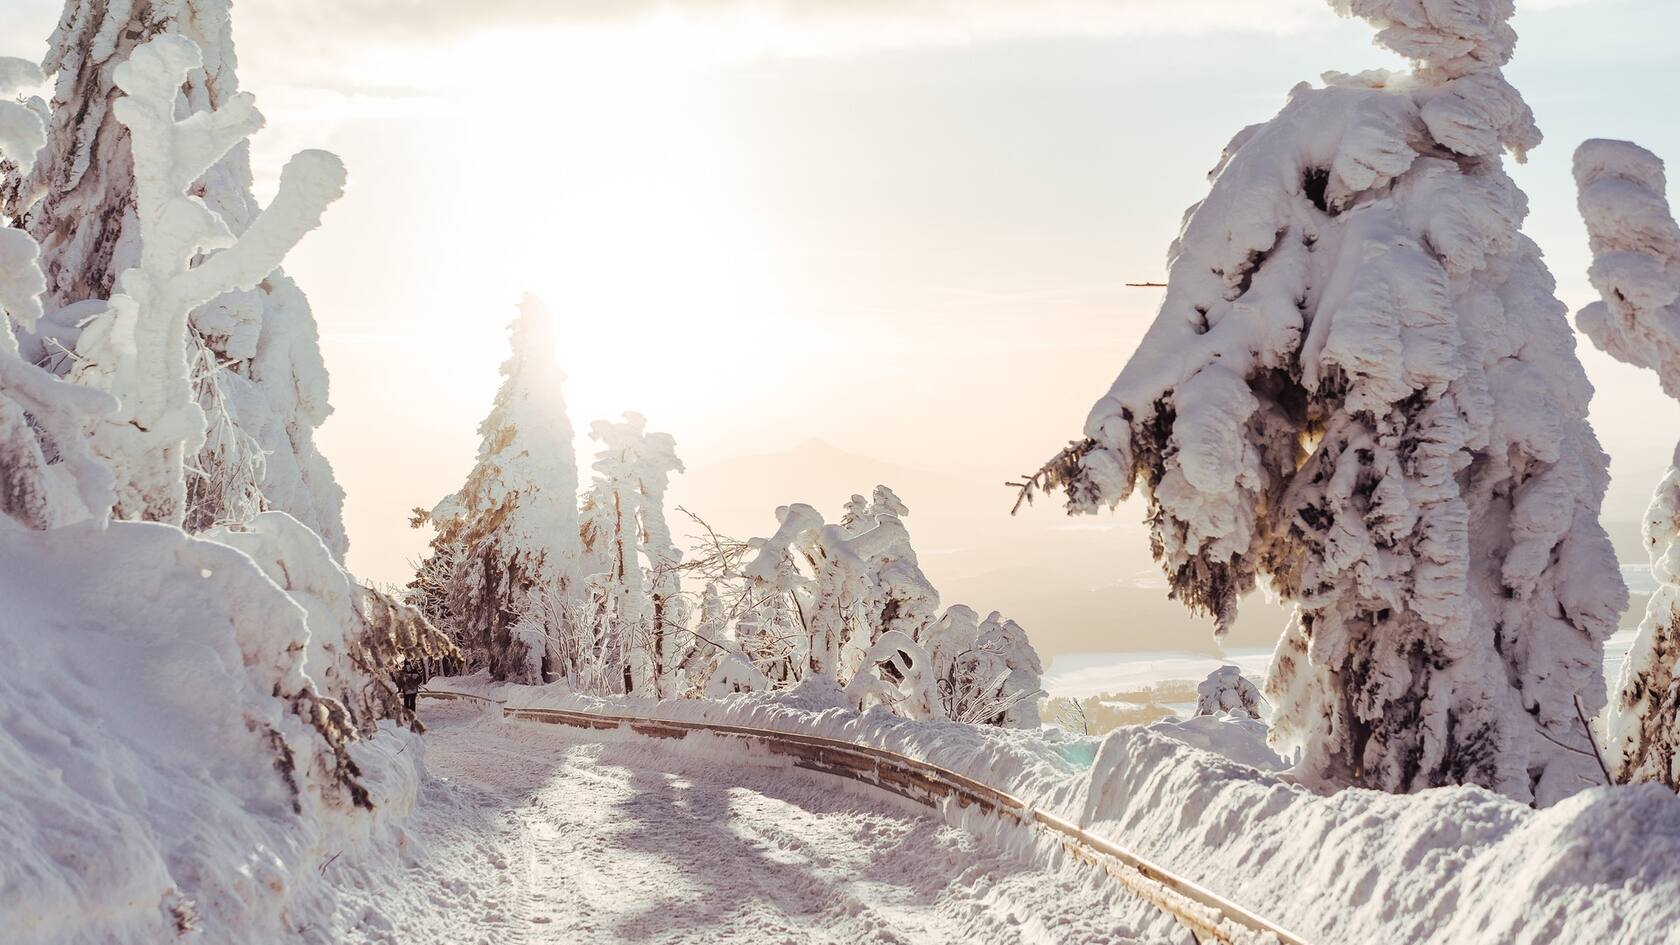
(532, 833)
(1206, 799)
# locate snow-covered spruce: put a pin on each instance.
(1226, 692)
(252, 352)
(640, 616)
(136, 347)
(1636, 269)
(848, 602)
(511, 532)
(1361, 387)
(39, 414)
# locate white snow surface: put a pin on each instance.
(145, 698)
(1206, 798)
(534, 833)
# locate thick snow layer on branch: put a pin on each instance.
(33, 404)
(167, 767)
(262, 379)
(1636, 269)
(357, 636)
(1202, 798)
(137, 349)
(1361, 388)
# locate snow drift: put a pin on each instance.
(1205, 798)
(169, 764)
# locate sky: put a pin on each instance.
(892, 228)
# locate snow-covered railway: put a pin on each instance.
(533, 833)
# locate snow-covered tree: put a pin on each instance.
(214, 608)
(40, 416)
(848, 601)
(640, 611)
(1636, 269)
(901, 596)
(668, 609)
(1361, 386)
(136, 347)
(987, 672)
(1018, 696)
(897, 673)
(252, 352)
(514, 523)
(1227, 691)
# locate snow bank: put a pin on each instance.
(1205, 798)
(169, 765)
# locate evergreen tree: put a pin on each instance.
(640, 609)
(252, 352)
(514, 523)
(40, 417)
(1636, 269)
(1226, 691)
(1361, 386)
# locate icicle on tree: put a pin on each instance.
(1361, 386)
(1636, 268)
(511, 532)
(640, 612)
(136, 347)
(33, 491)
(252, 351)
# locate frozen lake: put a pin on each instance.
(1090, 674)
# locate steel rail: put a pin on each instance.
(1206, 914)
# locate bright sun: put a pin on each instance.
(622, 210)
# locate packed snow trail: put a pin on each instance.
(528, 833)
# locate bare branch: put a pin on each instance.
(1581, 714)
(1063, 470)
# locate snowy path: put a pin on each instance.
(528, 834)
